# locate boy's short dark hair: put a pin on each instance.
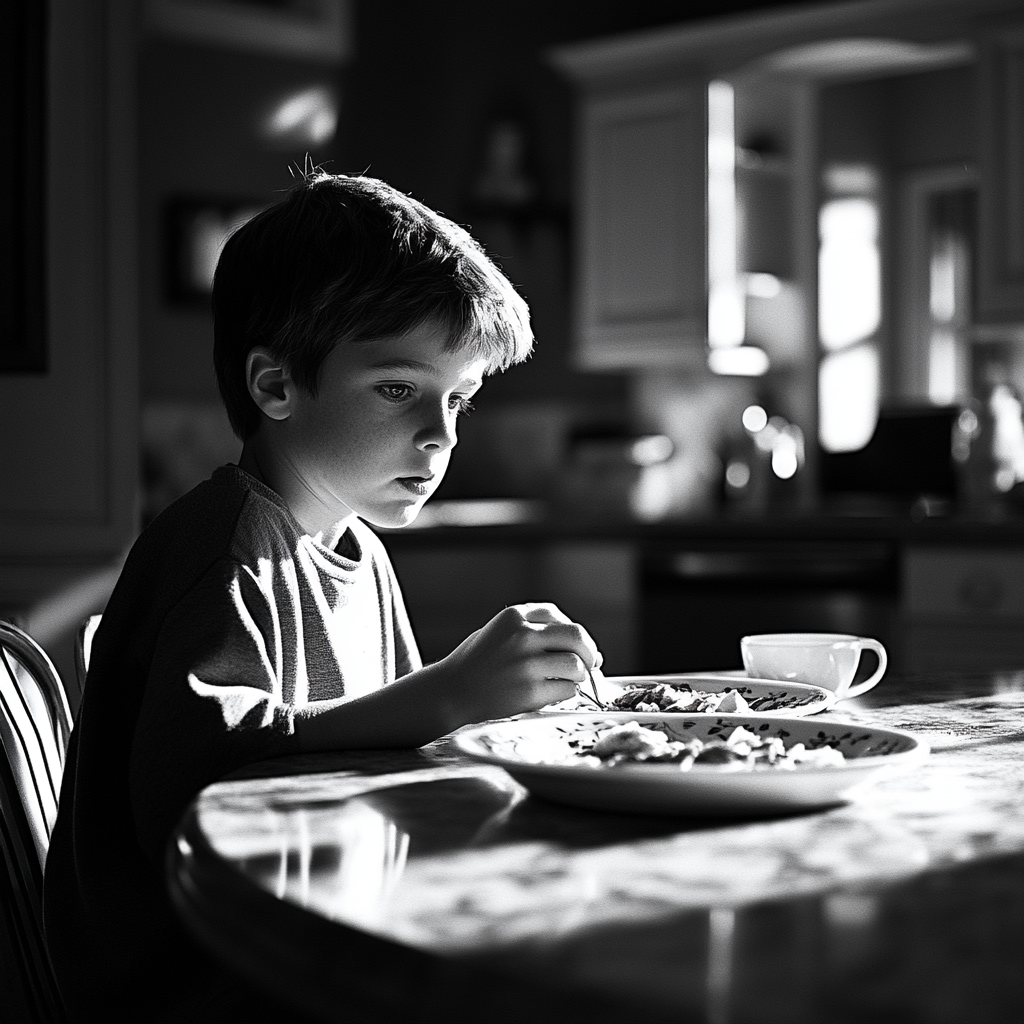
(348, 259)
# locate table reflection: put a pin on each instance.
(911, 895)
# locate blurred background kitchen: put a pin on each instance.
(775, 258)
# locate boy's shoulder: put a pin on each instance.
(234, 514)
(228, 513)
(209, 526)
(234, 519)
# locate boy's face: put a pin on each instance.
(377, 438)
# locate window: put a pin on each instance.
(849, 307)
(950, 231)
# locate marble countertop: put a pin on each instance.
(421, 864)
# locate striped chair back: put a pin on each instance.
(35, 725)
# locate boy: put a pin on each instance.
(258, 616)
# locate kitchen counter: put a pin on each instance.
(400, 883)
(532, 522)
(939, 591)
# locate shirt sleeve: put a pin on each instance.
(407, 652)
(213, 700)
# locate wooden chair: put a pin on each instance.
(83, 649)
(35, 725)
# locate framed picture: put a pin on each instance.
(195, 230)
(319, 30)
(22, 189)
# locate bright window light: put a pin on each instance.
(851, 179)
(725, 294)
(942, 366)
(1008, 439)
(744, 361)
(849, 272)
(942, 290)
(763, 286)
(949, 344)
(849, 307)
(650, 450)
(309, 117)
(848, 392)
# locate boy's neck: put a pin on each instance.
(320, 523)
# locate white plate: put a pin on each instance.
(781, 699)
(871, 752)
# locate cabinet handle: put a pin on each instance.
(982, 593)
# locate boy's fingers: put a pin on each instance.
(543, 612)
(570, 636)
(563, 665)
(555, 631)
(553, 690)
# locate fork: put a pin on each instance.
(593, 674)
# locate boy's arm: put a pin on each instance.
(525, 657)
(212, 700)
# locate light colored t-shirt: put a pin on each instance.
(227, 617)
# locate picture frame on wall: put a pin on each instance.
(23, 346)
(194, 232)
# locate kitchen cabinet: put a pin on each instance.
(640, 257)
(962, 608)
(641, 248)
(1001, 186)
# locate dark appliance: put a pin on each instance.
(697, 600)
(909, 456)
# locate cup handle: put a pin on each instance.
(883, 659)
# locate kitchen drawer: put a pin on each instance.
(980, 647)
(963, 583)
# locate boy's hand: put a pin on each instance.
(527, 656)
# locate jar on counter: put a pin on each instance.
(615, 475)
(988, 447)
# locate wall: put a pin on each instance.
(69, 432)
(68, 464)
(198, 138)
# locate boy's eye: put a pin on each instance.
(394, 392)
(461, 406)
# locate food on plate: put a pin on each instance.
(655, 695)
(682, 698)
(607, 744)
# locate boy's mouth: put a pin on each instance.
(416, 484)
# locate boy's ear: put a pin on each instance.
(269, 383)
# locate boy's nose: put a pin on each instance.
(438, 432)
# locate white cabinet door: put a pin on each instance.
(641, 280)
(1001, 188)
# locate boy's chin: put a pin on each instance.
(393, 518)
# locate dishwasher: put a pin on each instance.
(698, 600)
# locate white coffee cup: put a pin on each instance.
(822, 659)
